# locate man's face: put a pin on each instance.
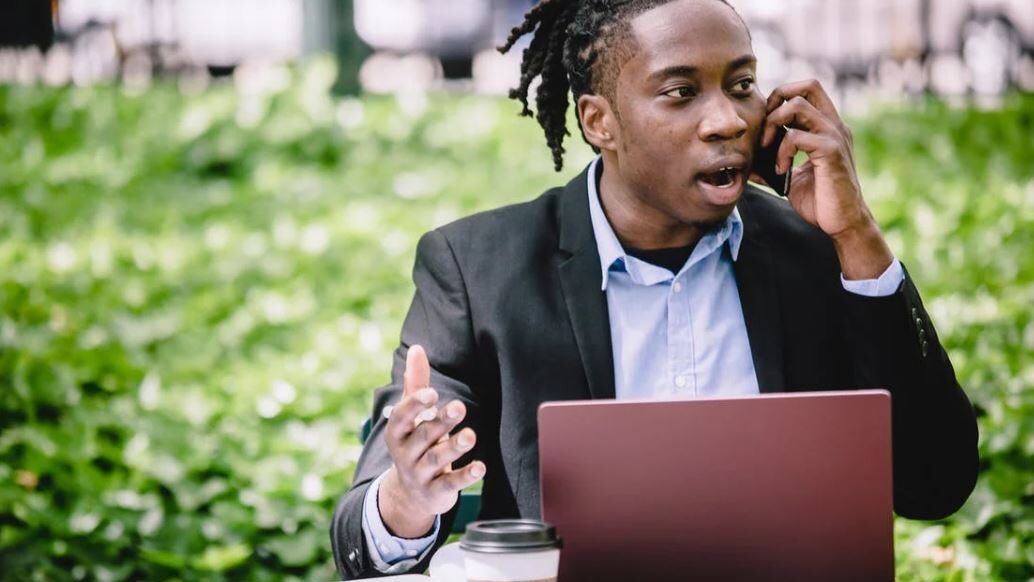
(688, 107)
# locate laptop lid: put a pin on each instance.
(790, 486)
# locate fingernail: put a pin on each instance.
(453, 412)
(425, 395)
(477, 471)
(465, 441)
(427, 414)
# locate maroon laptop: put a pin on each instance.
(773, 487)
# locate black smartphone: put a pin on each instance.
(765, 165)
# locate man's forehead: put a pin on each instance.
(690, 33)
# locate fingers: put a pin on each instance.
(813, 144)
(796, 113)
(418, 398)
(439, 457)
(403, 418)
(813, 108)
(417, 435)
(813, 124)
(811, 90)
(454, 481)
(423, 437)
(418, 371)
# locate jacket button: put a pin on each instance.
(926, 347)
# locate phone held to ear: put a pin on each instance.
(765, 165)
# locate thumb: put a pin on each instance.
(418, 371)
(757, 179)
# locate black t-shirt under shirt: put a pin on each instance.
(671, 259)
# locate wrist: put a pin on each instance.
(863, 252)
(400, 515)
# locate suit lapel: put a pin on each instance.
(759, 300)
(580, 278)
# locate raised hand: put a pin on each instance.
(825, 190)
(422, 483)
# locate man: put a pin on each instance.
(656, 273)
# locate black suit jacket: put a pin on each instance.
(509, 309)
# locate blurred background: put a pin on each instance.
(881, 48)
(208, 213)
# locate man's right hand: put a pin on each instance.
(422, 483)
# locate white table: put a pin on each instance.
(446, 566)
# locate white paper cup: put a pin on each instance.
(511, 550)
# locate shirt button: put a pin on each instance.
(384, 549)
(410, 553)
(680, 381)
(677, 287)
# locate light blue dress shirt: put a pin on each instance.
(674, 336)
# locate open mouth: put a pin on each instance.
(723, 178)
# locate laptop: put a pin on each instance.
(790, 486)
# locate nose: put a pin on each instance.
(721, 120)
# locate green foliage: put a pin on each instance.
(198, 293)
(954, 190)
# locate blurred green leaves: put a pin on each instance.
(199, 291)
(954, 190)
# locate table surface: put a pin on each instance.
(446, 566)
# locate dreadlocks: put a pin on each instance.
(578, 47)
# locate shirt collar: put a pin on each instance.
(611, 251)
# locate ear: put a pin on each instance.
(598, 121)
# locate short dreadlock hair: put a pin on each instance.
(578, 47)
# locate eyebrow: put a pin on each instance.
(688, 71)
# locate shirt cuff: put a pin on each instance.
(887, 283)
(391, 554)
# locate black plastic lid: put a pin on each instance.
(509, 535)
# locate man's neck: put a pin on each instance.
(637, 224)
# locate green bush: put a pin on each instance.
(198, 292)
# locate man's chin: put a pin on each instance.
(713, 212)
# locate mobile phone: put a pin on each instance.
(765, 165)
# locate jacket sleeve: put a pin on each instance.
(895, 347)
(439, 319)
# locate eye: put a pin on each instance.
(744, 85)
(681, 92)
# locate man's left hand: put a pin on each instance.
(824, 190)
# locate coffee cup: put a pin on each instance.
(511, 550)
